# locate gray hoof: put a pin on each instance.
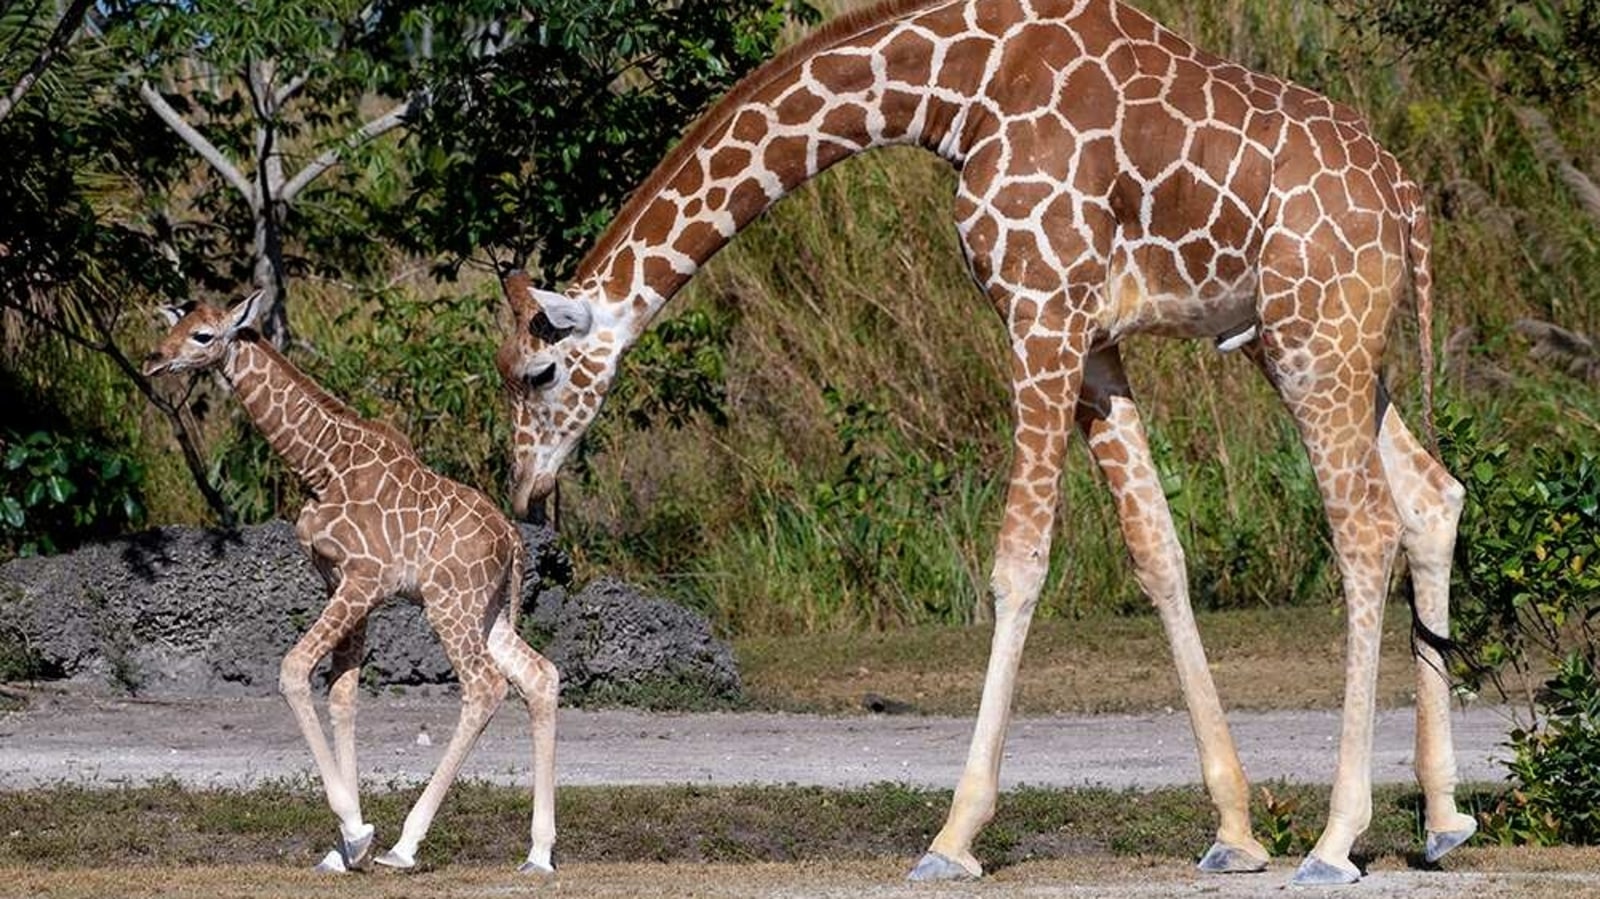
(934, 866)
(1224, 859)
(1440, 843)
(355, 852)
(332, 863)
(393, 859)
(535, 869)
(1314, 872)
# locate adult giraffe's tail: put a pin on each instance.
(1419, 243)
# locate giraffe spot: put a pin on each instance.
(978, 175)
(1189, 90)
(1018, 200)
(785, 158)
(1024, 265)
(847, 121)
(1142, 89)
(964, 64)
(622, 271)
(1182, 204)
(750, 126)
(842, 73)
(747, 200)
(1088, 100)
(1214, 151)
(1228, 103)
(728, 162)
(1150, 134)
(698, 240)
(1328, 142)
(1363, 191)
(908, 58)
(655, 223)
(1231, 227)
(940, 116)
(830, 152)
(659, 273)
(979, 240)
(716, 198)
(798, 107)
(1099, 35)
(995, 16)
(1197, 256)
(899, 110)
(1152, 59)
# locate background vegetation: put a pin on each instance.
(814, 440)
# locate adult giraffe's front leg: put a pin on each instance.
(1047, 369)
(1110, 422)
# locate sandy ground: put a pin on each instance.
(1488, 874)
(71, 737)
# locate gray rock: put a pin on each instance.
(183, 612)
(613, 643)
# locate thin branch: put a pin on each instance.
(330, 157)
(286, 93)
(65, 28)
(197, 141)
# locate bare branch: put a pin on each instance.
(286, 93)
(59, 38)
(197, 142)
(330, 157)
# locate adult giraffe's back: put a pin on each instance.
(1113, 180)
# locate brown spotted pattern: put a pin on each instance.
(381, 524)
(1114, 180)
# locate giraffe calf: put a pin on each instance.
(381, 524)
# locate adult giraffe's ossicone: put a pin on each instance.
(1113, 180)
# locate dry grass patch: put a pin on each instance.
(1288, 658)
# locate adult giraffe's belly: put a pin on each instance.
(1154, 289)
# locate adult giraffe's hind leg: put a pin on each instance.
(1110, 421)
(1047, 369)
(1334, 407)
(1429, 501)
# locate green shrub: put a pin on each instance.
(59, 490)
(1556, 766)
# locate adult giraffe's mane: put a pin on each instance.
(834, 31)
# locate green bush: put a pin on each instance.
(1556, 765)
(60, 490)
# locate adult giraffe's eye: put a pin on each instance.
(541, 378)
(201, 337)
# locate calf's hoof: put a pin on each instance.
(1441, 842)
(1314, 872)
(934, 866)
(1223, 858)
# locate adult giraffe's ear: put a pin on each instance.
(564, 312)
(244, 313)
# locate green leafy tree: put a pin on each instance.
(272, 96)
(550, 111)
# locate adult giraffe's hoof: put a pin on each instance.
(1440, 842)
(1314, 872)
(354, 852)
(1222, 858)
(934, 866)
(394, 859)
(332, 863)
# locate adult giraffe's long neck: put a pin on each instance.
(903, 73)
(301, 421)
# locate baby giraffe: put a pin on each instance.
(381, 524)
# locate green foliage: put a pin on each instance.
(1556, 766)
(1529, 590)
(528, 150)
(59, 490)
(1541, 49)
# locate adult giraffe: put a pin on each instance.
(1113, 180)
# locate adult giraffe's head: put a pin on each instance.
(556, 366)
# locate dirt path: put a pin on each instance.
(84, 739)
